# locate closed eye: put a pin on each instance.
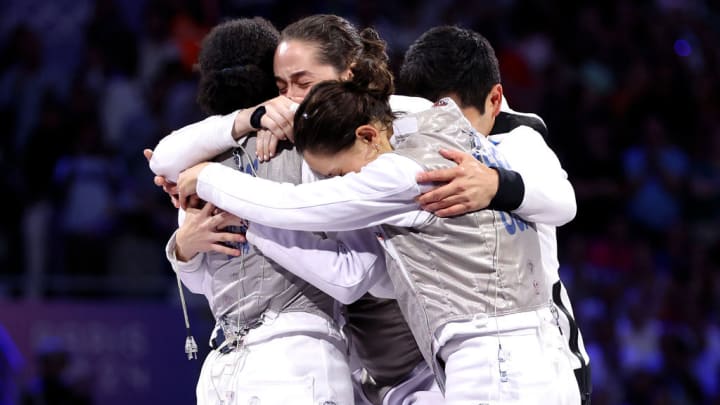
(282, 87)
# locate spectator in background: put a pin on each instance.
(23, 84)
(638, 335)
(596, 177)
(656, 171)
(705, 185)
(45, 146)
(88, 182)
(155, 46)
(23, 87)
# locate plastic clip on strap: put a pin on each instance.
(502, 364)
(191, 347)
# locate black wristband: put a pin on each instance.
(256, 116)
(511, 191)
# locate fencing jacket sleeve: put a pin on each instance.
(191, 272)
(193, 144)
(510, 192)
(212, 136)
(548, 198)
(344, 267)
(383, 192)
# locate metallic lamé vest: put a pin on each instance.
(453, 269)
(245, 287)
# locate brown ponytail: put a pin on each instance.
(372, 78)
(373, 46)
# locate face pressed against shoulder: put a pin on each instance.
(371, 141)
(482, 122)
(297, 69)
(337, 164)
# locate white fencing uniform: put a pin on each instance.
(383, 193)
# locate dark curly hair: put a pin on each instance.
(236, 65)
(450, 59)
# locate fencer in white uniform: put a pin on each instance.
(273, 329)
(458, 62)
(521, 140)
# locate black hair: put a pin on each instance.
(236, 65)
(338, 41)
(326, 120)
(450, 59)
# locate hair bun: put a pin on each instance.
(371, 77)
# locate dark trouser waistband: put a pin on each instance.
(219, 341)
(582, 374)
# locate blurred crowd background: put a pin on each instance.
(630, 91)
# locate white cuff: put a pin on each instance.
(178, 266)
